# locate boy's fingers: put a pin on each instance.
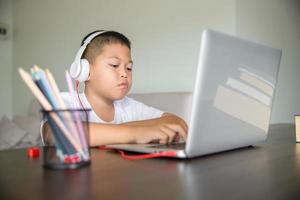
(179, 129)
(163, 138)
(170, 132)
(184, 124)
(186, 127)
(176, 138)
(178, 121)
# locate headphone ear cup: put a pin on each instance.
(75, 70)
(85, 70)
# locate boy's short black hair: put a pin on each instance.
(94, 48)
(110, 34)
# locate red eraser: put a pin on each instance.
(33, 152)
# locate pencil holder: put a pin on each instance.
(66, 139)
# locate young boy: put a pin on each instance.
(116, 118)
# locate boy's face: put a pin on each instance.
(110, 74)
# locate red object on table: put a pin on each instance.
(141, 156)
(33, 152)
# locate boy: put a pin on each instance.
(116, 118)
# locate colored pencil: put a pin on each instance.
(76, 114)
(47, 106)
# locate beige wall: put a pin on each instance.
(6, 61)
(165, 36)
(276, 23)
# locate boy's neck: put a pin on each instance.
(103, 107)
(97, 100)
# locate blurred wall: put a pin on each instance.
(6, 60)
(276, 23)
(165, 39)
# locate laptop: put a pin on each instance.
(232, 99)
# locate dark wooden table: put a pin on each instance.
(270, 170)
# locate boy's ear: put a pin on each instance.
(89, 77)
(90, 69)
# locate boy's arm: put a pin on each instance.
(163, 129)
(99, 134)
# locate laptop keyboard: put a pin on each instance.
(180, 146)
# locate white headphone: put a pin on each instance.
(80, 68)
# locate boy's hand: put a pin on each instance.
(165, 129)
(161, 133)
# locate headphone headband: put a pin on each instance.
(79, 69)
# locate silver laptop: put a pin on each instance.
(232, 99)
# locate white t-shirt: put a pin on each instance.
(126, 109)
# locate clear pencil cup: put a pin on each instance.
(66, 139)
